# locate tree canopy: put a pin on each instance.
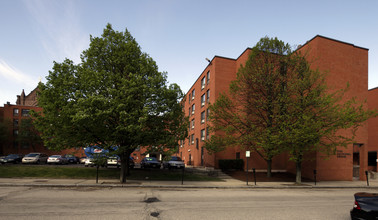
(115, 97)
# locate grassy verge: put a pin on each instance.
(90, 173)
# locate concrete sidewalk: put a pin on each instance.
(224, 184)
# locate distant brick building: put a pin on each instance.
(12, 116)
(344, 62)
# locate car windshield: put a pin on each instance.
(176, 159)
(12, 156)
(55, 156)
(31, 155)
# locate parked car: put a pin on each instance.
(173, 162)
(150, 162)
(131, 163)
(57, 159)
(11, 158)
(89, 162)
(36, 158)
(365, 206)
(82, 160)
(114, 161)
(71, 158)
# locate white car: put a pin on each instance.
(89, 162)
(57, 159)
(174, 162)
(114, 161)
(36, 158)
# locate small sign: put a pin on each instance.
(247, 153)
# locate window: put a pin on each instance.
(25, 112)
(237, 155)
(202, 134)
(372, 158)
(208, 76)
(15, 123)
(202, 117)
(189, 111)
(192, 124)
(207, 133)
(15, 133)
(192, 137)
(193, 94)
(190, 98)
(203, 99)
(208, 95)
(193, 108)
(203, 82)
(15, 112)
(207, 114)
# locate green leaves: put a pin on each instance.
(115, 97)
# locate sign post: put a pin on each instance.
(247, 155)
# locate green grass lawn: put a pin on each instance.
(9, 171)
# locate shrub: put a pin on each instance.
(234, 164)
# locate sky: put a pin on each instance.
(178, 34)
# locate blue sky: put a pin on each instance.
(177, 34)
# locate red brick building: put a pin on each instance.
(12, 116)
(344, 62)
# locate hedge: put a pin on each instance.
(234, 164)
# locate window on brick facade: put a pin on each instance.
(15, 133)
(207, 133)
(207, 114)
(15, 123)
(192, 137)
(15, 112)
(237, 155)
(193, 94)
(203, 82)
(208, 76)
(203, 134)
(192, 123)
(202, 117)
(372, 158)
(25, 112)
(203, 100)
(193, 108)
(208, 95)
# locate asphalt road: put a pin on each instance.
(145, 203)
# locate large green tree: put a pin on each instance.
(251, 117)
(115, 97)
(315, 115)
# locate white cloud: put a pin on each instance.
(14, 75)
(57, 24)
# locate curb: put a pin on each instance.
(181, 186)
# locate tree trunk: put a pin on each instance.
(298, 178)
(124, 167)
(269, 169)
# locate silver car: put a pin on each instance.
(174, 162)
(57, 159)
(36, 158)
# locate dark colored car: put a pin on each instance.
(72, 158)
(131, 163)
(12, 158)
(150, 162)
(365, 206)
